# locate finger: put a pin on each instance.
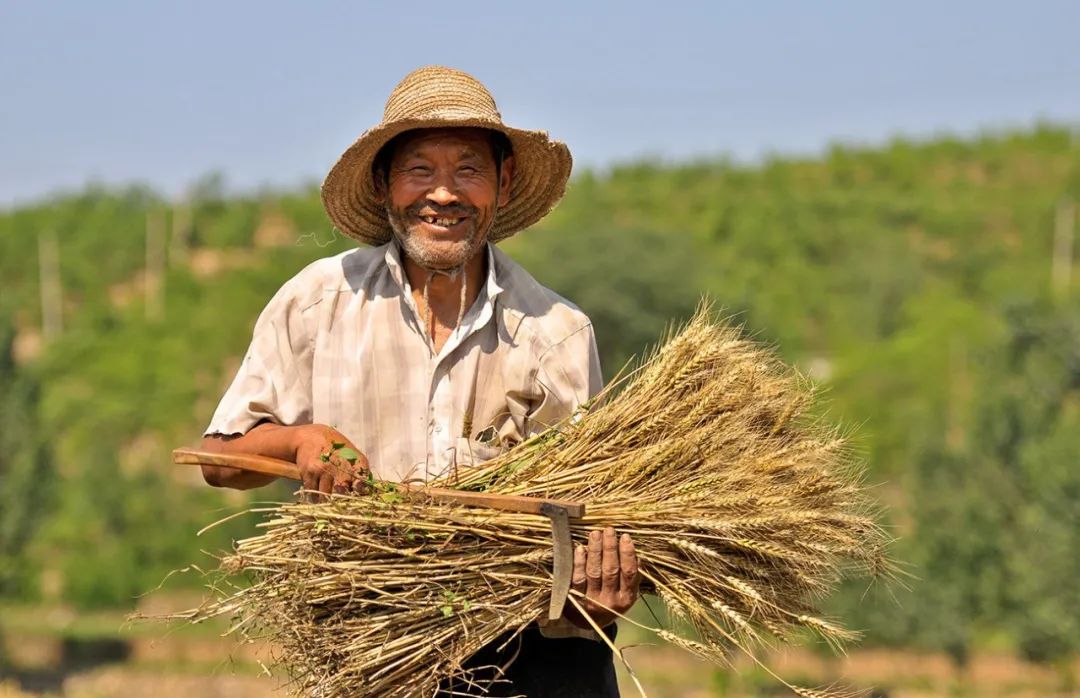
(342, 477)
(353, 472)
(610, 564)
(593, 561)
(336, 442)
(628, 564)
(310, 477)
(577, 579)
(361, 466)
(326, 483)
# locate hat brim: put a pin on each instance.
(541, 169)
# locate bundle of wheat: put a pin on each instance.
(744, 510)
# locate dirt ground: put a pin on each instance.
(45, 657)
(665, 672)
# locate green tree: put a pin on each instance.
(26, 469)
(995, 520)
(633, 284)
(1032, 419)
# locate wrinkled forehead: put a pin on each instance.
(475, 140)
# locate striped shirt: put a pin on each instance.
(342, 343)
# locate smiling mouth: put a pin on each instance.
(441, 222)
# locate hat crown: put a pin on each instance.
(437, 92)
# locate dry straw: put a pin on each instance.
(745, 512)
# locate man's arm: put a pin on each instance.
(322, 452)
(265, 439)
(272, 387)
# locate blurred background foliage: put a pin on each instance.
(915, 282)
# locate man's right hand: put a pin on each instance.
(344, 467)
(328, 461)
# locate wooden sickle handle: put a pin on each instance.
(241, 461)
(291, 471)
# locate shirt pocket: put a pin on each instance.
(471, 453)
(468, 454)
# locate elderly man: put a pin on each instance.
(432, 350)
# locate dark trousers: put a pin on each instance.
(546, 668)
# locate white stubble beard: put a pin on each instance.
(447, 262)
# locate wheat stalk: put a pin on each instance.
(743, 509)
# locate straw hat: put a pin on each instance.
(438, 97)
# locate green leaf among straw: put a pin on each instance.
(745, 512)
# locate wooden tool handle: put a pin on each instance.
(240, 461)
(283, 468)
(502, 502)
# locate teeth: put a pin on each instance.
(444, 222)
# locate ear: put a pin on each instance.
(506, 177)
(379, 178)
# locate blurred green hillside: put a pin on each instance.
(929, 287)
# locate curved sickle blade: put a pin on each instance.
(564, 558)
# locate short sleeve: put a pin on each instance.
(568, 376)
(274, 381)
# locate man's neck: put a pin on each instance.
(441, 302)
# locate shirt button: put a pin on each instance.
(438, 428)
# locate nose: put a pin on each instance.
(443, 188)
(442, 195)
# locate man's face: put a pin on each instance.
(443, 193)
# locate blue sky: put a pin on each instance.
(269, 93)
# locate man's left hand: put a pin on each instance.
(606, 571)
